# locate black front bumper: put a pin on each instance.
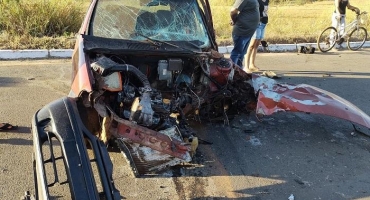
(58, 127)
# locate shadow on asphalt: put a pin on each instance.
(16, 141)
(6, 81)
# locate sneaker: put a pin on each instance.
(269, 74)
(340, 41)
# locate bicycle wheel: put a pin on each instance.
(357, 38)
(327, 39)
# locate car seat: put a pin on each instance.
(165, 18)
(146, 21)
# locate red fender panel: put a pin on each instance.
(274, 97)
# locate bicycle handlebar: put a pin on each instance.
(360, 13)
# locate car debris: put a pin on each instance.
(275, 97)
(142, 70)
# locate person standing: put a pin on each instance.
(257, 37)
(244, 19)
(338, 19)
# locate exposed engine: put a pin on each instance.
(145, 103)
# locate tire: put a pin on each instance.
(327, 39)
(357, 38)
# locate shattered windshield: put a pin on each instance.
(163, 20)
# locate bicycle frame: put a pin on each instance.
(354, 33)
(354, 24)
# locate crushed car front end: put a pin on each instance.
(141, 70)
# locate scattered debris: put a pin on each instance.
(254, 141)
(307, 50)
(271, 74)
(7, 127)
(299, 181)
(327, 75)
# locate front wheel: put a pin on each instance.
(327, 39)
(357, 38)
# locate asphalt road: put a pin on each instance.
(309, 156)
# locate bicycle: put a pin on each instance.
(355, 39)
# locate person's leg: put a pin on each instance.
(342, 24)
(235, 53)
(240, 48)
(253, 47)
(259, 36)
(334, 20)
(249, 54)
(246, 41)
(334, 23)
(339, 24)
(250, 50)
(252, 64)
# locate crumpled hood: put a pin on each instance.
(274, 97)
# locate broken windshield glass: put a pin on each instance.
(162, 20)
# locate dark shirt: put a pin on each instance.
(247, 19)
(342, 7)
(263, 10)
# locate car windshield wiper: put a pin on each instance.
(153, 41)
(159, 43)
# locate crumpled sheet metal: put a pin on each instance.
(274, 97)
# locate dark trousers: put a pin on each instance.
(241, 44)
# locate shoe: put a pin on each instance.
(340, 41)
(269, 74)
(7, 127)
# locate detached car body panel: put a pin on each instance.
(58, 125)
(276, 97)
(141, 70)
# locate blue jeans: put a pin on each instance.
(241, 44)
(260, 31)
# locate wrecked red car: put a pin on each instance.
(141, 70)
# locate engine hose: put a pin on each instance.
(135, 71)
(106, 66)
(146, 115)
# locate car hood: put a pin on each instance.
(276, 97)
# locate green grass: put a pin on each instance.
(39, 23)
(287, 23)
(26, 24)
